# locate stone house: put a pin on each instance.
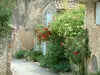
(46, 17)
(47, 13)
(92, 22)
(29, 13)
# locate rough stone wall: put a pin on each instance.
(26, 40)
(14, 41)
(3, 57)
(28, 13)
(49, 9)
(9, 56)
(94, 34)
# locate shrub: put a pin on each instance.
(20, 54)
(96, 73)
(33, 55)
(28, 55)
(70, 26)
(66, 38)
(36, 55)
(5, 15)
(54, 58)
(42, 62)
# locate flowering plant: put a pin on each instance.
(43, 34)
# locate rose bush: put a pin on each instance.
(69, 26)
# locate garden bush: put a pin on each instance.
(5, 15)
(20, 54)
(70, 26)
(36, 55)
(33, 55)
(95, 73)
(54, 58)
(67, 40)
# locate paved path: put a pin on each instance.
(20, 67)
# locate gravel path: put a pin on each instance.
(21, 67)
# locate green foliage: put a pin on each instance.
(6, 7)
(20, 54)
(70, 26)
(33, 55)
(77, 44)
(8, 3)
(36, 56)
(97, 73)
(5, 15)
(54, 58)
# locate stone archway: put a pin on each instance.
(94, 63)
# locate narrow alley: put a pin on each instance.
(21, 67)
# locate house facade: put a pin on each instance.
(92, 23)
(25, 17)
(47, 16)
(29, 13)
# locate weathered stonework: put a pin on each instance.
(94, 34)
(28, 13)
(3, 57)
(49, 9)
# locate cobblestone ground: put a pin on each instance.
(21, 67)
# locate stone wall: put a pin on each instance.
(28, 13)
(94, 36)
(3, 57)
(26, 40)
(49, 9)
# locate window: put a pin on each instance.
(98, 13)
(49, 19)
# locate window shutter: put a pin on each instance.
(98, 13)
(49, 19)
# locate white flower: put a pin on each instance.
(74, 17)
(78, 26)
(81, 26)
(66, 24)
(65, 33)
(75, 33)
